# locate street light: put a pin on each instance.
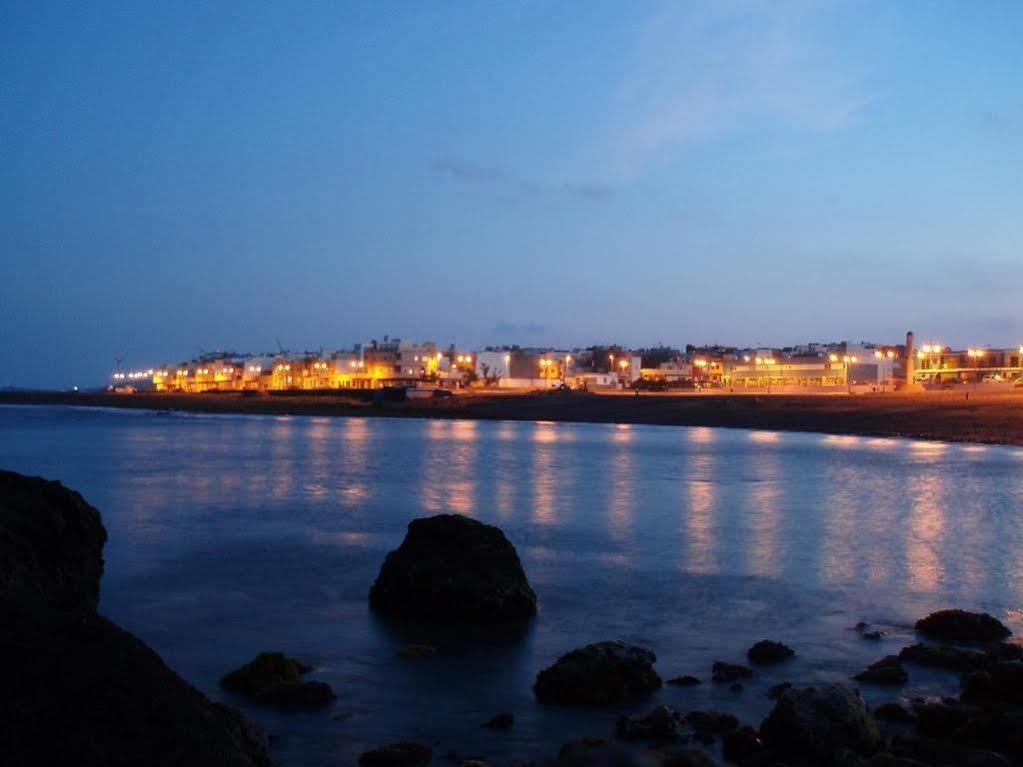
(848, 360)
(767, 362)
(976, 355)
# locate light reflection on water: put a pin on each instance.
(270, 531)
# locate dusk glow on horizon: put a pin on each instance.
(186, 178)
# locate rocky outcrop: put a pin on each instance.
(600, 673)
(271, 679)
(942, 656)
(887, 671)
(729, 672)
(453, 569)
(820, 722)
(76, 688)
(51, 544)
(403, 754)
(662, 725)
(79, 690)
(962, 626)
(598, 752)
(767, 653)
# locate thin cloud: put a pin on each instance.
(512, 187)
(464, 171)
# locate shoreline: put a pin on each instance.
(984, 418)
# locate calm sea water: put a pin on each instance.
(231, 535)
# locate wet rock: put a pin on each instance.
(417, 651)
(597, 752)
(684, 681)
(767, 653)
(712, 721)
(51, 544)
(736, 687)
(662, 725)
(78, 690)
(1000, 684)
(962, 626)
(873, 636)
(704, 738)
(403, 754)
(600, 673)
(687, 757)
(888, 760)
(503, 721)
(730, 672)
(271, 679)
(942, 718)
(819, 722)
(893, 712)
(741, 746)
(775, 691)
(452, 568)
(942, 656)
(887, 671)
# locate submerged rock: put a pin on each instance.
(51, 544)
(452, 568)
(730, 672)
(941, 656)
(684, 681)
(887, 671)
(598, 752)
(662, 725)
(271, 679)
(417, 651)
(766, 653)
(1001, 684)
(962, 626)
(502, 721)
(599, 673)
(741, 746)
(893, 712)
(774, 691)
(712, 721)
(403, 754)
(819, 722)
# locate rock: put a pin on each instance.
(962, 626)
(741, 746)
(766, 653)
(662, 725)
(597, 752)
(452, 568)
(887, 671)
(417, 651)
(51, 544)
(893, 712)
(684, 681)
(736, 687)
(403, 754)
(687, 757)
(1000, 684)
(942, 719)
(873, 636)
(888, 760)
(775, 691)
(503, 721)
(730, 672)
(712, 721)
(78, 690)
(274, 680)
(600, 673)
(941, 656)
(819, 722)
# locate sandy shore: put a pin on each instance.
(995, 418)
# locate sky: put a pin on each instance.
(178, 177)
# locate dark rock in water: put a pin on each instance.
(888, 760)
(687, 757)
(873, 636)
(1004, 651)
(775, 691)
(597, 752)
(942, 719)
(729, 672)
(887, 671)
(819, 722)
(999, 684)
(741, 746)
(403, 754)
(861, 627)
(502, 721)
(736, 687)
(274, 680)
(417, 651)
(684, 681)
(962, 626)
(766, 653)
(78, 690)
(941, 656)
(704, 738)
(662, 725)
(604, 672)
(451, 568)
(893, 712)
(712, 721)
(51, 544)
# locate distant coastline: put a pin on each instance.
(995, 418)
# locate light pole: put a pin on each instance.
(977, 355)
(848, 360)
(564, 370)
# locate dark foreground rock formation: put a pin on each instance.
(451, 568)
(767, 653)
(962, 626)
(76, 688)
(599, 673)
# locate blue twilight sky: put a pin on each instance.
(178, 176)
